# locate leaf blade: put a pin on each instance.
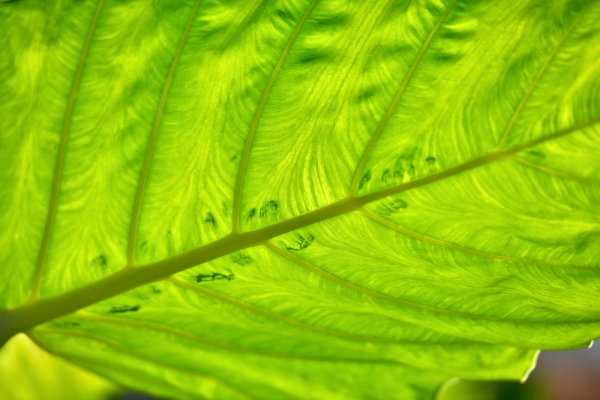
(469, 292)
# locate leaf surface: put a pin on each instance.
(324, 199)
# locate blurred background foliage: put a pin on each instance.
(28, 372)
(559, 375)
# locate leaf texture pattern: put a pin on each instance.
(300, 198)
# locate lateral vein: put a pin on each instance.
(374, 217)
(554, 172)
(123, 349)
(139, 196)
(390, 111)
(279, 317)
(60, 161)
(212, 342)
(391, 299)
(102, 364)
(254, 125)
(537, 78)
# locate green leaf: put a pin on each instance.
(282, 199)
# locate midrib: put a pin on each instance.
(33, 314)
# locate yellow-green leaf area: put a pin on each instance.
(322, 199)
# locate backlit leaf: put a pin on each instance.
(300, 199)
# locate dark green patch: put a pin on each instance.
(210, 219)
(536, 154)
(242, 259)
(366, 178)
(217, 276)
(124, 309)
(385, 176)
(101, 261)
(270, 207)
(392, 206)
(64, 324)
(155, 290)
(302, 242)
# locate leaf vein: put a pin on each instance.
(139, 195)
(436, 242)
(85, 360)
(382, 296)
(554, 172)
(254, 125)
(279, 317)
(391, 109)
(123, 349)
(537, 78)
(60, 160)
(29, 315)
(215, 343)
